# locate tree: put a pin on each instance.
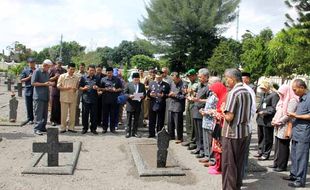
(106, 55)
(91, 57)
(287, 55)
(143, 62)
(189, 28)
(254, 55)
(225, 55)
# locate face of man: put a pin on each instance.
(82, 68)
(299, 91)
(246, 80)
(229, 82)
(91, 71)
(202, 78)
(175, 79)
(109, 74)
(192, 78)
(141, 72)
(159, 78)
(59, 64)
(136, 80)
(46, 67)
(71, 70)
(165, 72)
(32, 64)
(98, 70)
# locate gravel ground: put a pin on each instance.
(105, 163)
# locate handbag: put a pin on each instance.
(288, 131)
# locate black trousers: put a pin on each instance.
(175, 121)
(55, 110)
(260, 136)
(99, 111)
(89, 110)
(132, 128)
(156, 119)
(233, 155)
(108, 116)
(197, 123)
(29, 107)
(281, 152)
(266, 135)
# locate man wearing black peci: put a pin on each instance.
(111, 87)
(89, 86)
(99, 75)
(158, 92)
(133, 105)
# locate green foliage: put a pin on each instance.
(106, 55)
(225, 55)
(189, 28)
(143, 62)
(17, 68)
(91, 57)
(255, 52)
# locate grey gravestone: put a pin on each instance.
(163, 139)
(13, 103)
(9, 83)
(19, 89)
(53, 147)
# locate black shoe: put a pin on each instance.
(195, 152)
(54, 124)
(63, 131)
(84, 131)
(104, 131)
(289, 178)
(151, 136)
(186, 143)
(192, 147)
(31, 122)
(37, 132)
(200, 156)
(135, 135)
(128, 135)
(113, 131)
(263, 158)
(94, 132)
(279, 169)
(272, 167)
(296, 184)
(24, 123)
(72, 131)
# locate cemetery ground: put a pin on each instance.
(106, 163)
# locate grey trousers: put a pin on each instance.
(299, 158)
(198, 131)
(40, 114)
(207, 142)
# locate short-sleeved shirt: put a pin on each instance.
(54, 90)
(90, 96)
(65, 80)
(28, 87)
(301, 127)
(238, 102)
(40, 92)
(110, 97)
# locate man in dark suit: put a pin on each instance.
(133, 105)
(158, 92)
(176, 107)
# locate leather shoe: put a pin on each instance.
(178, 141)
(262, 158)
(37, 132)
(204, 160)
(113, 131)
(135, 135)
(72, 131)
(279, 169)
(24, 123)
(31, 122)
(296, 184)
(104, 131)
(272, 166)
(257, 155)
(151, 136)
(192, 147)
(186, 143)
(94, 132)
(195, 152)
(289, 178)
(84, 131)
(62, 131)
(200, 155)
(128, 135)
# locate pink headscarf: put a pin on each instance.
(286, 94)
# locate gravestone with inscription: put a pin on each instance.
(13, 103)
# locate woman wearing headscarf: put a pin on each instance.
(219, 92)
(282, 125)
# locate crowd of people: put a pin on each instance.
(220, 117)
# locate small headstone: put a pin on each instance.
(163, 139)
(9, 83)
(53, 147)
(13, 103)
(20, 89)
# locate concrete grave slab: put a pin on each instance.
(145, 158)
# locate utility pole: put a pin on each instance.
(60, 50)
(237, 29)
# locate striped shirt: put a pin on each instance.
(238, 102)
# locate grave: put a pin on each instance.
(152, 159)
(52, 148)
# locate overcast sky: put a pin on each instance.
(93, 23)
